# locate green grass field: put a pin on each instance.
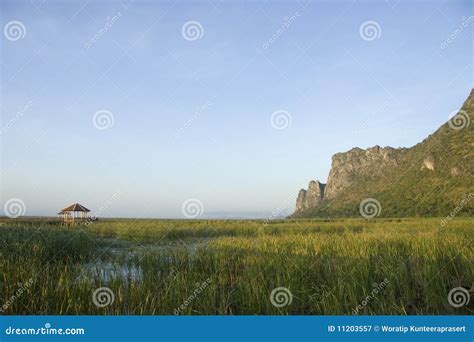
(314, 267)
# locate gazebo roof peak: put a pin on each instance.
(75, 207)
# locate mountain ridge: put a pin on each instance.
(430, 178)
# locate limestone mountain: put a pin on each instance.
(432, 178)
(311, 197)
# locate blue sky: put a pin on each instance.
(192, 114)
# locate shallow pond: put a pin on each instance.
(119, 261)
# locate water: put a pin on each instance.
(106, 271)
(119, 262)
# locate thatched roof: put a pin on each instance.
(75, 207)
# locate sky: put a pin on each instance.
(218, 109)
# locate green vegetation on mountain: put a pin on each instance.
(432, 178)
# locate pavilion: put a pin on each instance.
(75, 213)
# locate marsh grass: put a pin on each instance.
(329, 266)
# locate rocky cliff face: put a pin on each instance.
(428, 179)
(348, 168)
(358, 164)
(301, 201)
(311, 197)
